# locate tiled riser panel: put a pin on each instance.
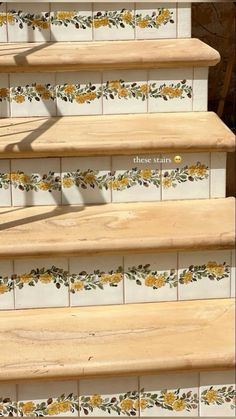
(99, 280)
(44, 22)
(110, 92)
(97, 180)
(191, 394)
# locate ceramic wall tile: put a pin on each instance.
(187, 177)
(28, 22)
(217, 394)
(71, 22)
(96, 280)
(133, 181)
(109, 397)
(113, 21)
(155, 20)
(41, 283)
(3, 22)
(218, 175)
(34, 183)
(50, 399)
(184, 20)
(170, 90)
(233, 269)
(150, 277)
(6, 286)
(4, 96)
(5, 183)
(32, 94)
(8, 404)
(125, 91)
(200, 89)
(79, 93)
(169, 395)
(85, 180)
(204, 274)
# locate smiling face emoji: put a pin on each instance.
(177, 159)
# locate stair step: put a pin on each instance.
(112, 340)
(117, 228)
(114, 135)
(164, 53)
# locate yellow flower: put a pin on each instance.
(44, 186)
(19, 177)
(63, 15)
(89, 178)
(142, 404)
(201, 170)
(150, 281)
(3, 18)
(114, 85)
(171, 91)
(127, 16)
(10, 18)
(46, 95)
(95, 400)
(146, 173)
(80, 98)
(97, 23)
(126, 404)
(123, 92)
(179, 405)
(211, 396)
(144, 89)
(142, 23)
(124, 181)
(163, 16)
(25, 278)
(64, 406)
(160, 281)
(90, 96)
(69, 88)
(215, 269)
(114, 184)
(169, 398)
(67, 182)
(19, 98)
(105, 278)
(167, 182)
(53, 409)
(45, 278)
(40, 88)
(3, 289)
(115, 278)
(187, 277)
(4, 92)
(28, 407)
(78, 285)
(104, 21)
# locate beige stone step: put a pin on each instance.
(117, 228)
(114, 135)
(59, 56)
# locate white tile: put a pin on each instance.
(3, 22)
(34, 183)
(204, 274)
(29, 22)
(218, 175)
(71, 22)
(150, 277)
(85, 180)
(33, 94)
(133, 181)
(113, 21)
(4, 96)
(170, 90)
(188, 179)
(200, 89)
(184, 20)
(48, 399)
(155, 20)
(176, 394)
(96, 280)
(8, 404)
(6, 285)
(217, 394)
(79, 93)
(233, 269)
(109, 397)
(5, 183)
(124, 91)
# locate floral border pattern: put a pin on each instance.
(143, 275)
(169, 400)
(211, 270)
(52, 407)
(193, 173)
(219, 396)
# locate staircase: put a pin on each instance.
(117, 263)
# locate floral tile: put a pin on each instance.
(154, 22)
(233, 269)
(150, 277)
(4, 96)
(34, 183)
(170, 90)
(5, 183)
(28, 22)
(32, 94)
(184, 20)
(96, 281)
(109, 397)
(113, 21)
(204, 274)
(200, 89)
(86, 180)
(41, 283)
(6, 286)
(48, 399)
(218, 175)
(79, 93)
(169, 395)
(3, 22)
(8, 403)
(217, 394)
(71, 22)
(188, 178)
(125, 91)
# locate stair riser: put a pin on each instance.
(96, 280)
(93, 22)
(98, 180)
(110, 92)
(186, 394)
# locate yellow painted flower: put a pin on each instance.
(19, 98)
(126, 404)
(10, 19)
(25, 278)
(215, 269)
(104, 21)
(144, 89)
(105, 278)
(201, 170)
(45, 278)
(64, 406)
(69, 88)
(114, 184)
(150, 281)
(65, 15)
(97, 23)
(89, 178)
(27, 407)
(80, 99)
(167, 182)
(67, 182)
(40, 88)
(114, 85)
(46, 95)
(127, 16)
(160, 281)
(211, 396)
(146, 173)
(78, 285)
(123, 92)
(116, 278)
(3, 18)
(165, 14)
(171, 91)
(95, 400)
(19, 177)
(4, 92)
(90, 96)
(169, 398)
(179, 405)
(3, 290)
(142, 404)
(44, 186)
(124, 181)
(142, 23)
(53, 409)
(187, 277)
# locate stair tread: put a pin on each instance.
(116, 340)
(117, 228)
(163, 53)
(114, 134)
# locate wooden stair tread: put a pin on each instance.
(116, 340)
(114, 135)
(117, 228)
(69, 56)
